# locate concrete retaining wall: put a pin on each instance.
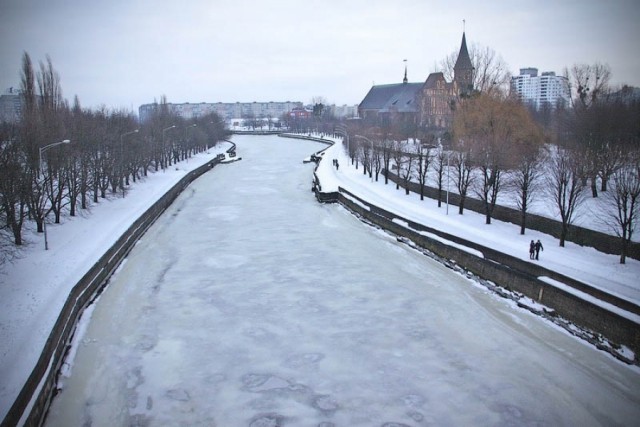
(35, 397)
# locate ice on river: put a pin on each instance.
(250, 304)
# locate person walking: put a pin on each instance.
(532, 249)
(538, 248)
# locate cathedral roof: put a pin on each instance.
(433, 79)
(400, 97)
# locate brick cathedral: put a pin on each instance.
(429, 104)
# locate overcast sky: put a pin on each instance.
(124, 53)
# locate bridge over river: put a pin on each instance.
(250, 304)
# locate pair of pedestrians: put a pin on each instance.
(534, 249)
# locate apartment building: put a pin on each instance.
(10, 105)
(226, 110)
(539, 91)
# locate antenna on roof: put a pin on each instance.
(463, 25)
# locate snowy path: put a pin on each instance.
(259, 306)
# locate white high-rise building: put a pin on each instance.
(544, 90)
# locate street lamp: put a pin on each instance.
(371, 158)
(122, 158)
(163, 132)
(42, 150)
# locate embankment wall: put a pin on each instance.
(585, 306)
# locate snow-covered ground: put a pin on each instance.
(254, 305)
(34, 287)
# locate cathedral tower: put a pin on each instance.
(463, 70)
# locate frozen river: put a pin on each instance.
(250, 304)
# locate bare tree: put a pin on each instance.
(463, 177)
(424, 158)
(387, 154)
(51, 108)
(588, 83)
(376, 160)
(31, 127)
(564, 186)
(406, 172)
(525, 180)
(372, 148)
(15, 179)
(397, 154)
(439, 164)
(366, 151)
(622, 209)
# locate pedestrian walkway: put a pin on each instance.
(600, 270)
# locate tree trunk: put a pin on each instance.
(563, 234)
(523, 221)
(17, 233)
(461, 205)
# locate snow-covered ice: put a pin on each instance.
(250, 304)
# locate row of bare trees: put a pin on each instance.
(60, 158)
(497, 145)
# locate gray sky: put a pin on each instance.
(124, 53)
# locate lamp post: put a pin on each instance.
(371, 158)
(122, 158)
(163, 132)
(42, 150)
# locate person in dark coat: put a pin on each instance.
(538, 248)
(532, 249)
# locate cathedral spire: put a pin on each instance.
(405, 80)
(463, 70)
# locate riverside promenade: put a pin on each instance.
(581, 275)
